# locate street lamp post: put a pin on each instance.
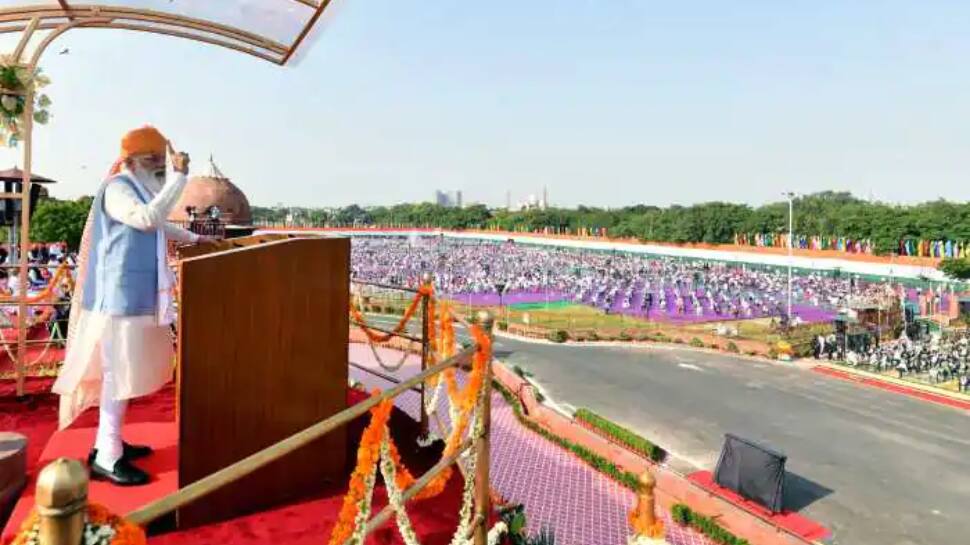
(500, 288)
(791, 242)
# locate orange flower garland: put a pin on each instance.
(425, 291)
(368, 453)
(465, 402)
(46, 293)
(126, 533)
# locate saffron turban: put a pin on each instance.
(146, 140)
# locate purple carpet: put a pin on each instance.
(647, 304)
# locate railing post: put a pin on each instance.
(62, 502)
(426, 280)
(483, 498)
(647, 530)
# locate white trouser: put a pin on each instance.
(112, 411)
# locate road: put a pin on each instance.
(875, 467)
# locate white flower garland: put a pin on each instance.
(467, 460)
(643, 540)
(431, 402)
(94, 534)
(395, 496)
(363, 510)
(496, 533)
(389, 368)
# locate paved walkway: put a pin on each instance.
(559, 491)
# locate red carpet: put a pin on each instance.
(896, 388)
(151, 420)
(75, 443)
(789, 520)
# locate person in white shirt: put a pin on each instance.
(119, 345)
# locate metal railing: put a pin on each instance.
(22, 301)
(426, 280)
(210, 227)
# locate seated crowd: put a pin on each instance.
(615, 282)
(934, 359)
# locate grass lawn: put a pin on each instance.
(569, 316)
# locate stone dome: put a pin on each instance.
(214, 189)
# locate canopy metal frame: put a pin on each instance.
(58, 19)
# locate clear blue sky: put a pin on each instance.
(606, 102)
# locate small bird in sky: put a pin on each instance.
(65, 51)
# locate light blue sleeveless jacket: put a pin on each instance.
(122, 269)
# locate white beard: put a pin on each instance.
(148, 180)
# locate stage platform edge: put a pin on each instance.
(76, 443)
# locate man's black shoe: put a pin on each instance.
(123, 474)
(129, 452)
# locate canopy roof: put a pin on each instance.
(268, 29)
(16, 175)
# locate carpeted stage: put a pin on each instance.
(151, 420)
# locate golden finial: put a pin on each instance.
(62, 500)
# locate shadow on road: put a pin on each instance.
(801, 492)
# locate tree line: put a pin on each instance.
(829, 213)
(826, 214)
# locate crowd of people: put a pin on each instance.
(932, 359)
(614, 282)
(43, 262)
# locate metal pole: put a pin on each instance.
(426, 279)
(483, 496)
(28, 122)
(791, 224)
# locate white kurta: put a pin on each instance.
(140, 353)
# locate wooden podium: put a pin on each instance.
(262, 354)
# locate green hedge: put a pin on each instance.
(599, 463)
(621, 434)
(685, 516)
(697, 343)
(558, 336)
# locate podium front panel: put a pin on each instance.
(263, 333)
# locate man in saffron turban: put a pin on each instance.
(119, 344)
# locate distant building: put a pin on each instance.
(533, 203)
(450, 199)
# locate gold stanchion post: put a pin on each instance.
(62, 502)
(426, 279)
(647, 530)
(483, 498)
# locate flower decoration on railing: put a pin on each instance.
(378, 452)
(101, 528)
(17, 82)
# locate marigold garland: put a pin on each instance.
(369, 451)
(424, 291)
(125, 533)
(464, 401)
(46, 293)
(367, 455)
